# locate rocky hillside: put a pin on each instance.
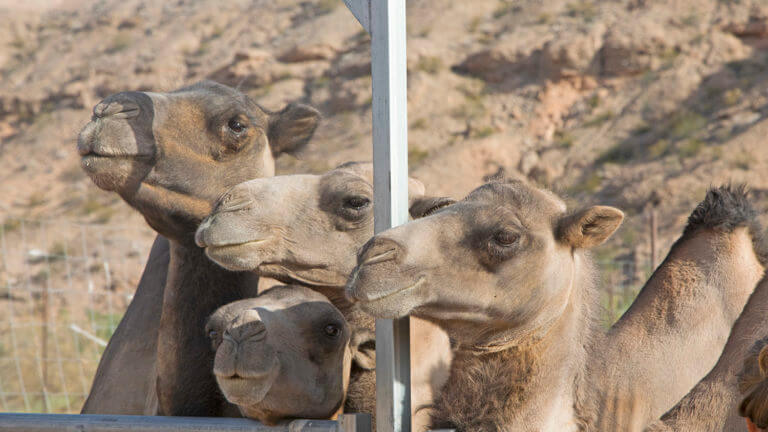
(633, 103)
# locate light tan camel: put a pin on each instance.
(505, 273)
(170, 156)
(306, 229)
(713, 404)
(753, 382)
(286, 354)
(684, 312)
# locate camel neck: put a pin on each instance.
(530, 385)
(196, 287)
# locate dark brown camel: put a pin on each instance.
(505, 273)
(170, 156)
(287, 354)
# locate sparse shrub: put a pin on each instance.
(659, 148)
(594, 101)
(544, 18)
(483, 132)
(119, 42)
(504, 8)
(474, 24)
(683, 124)
(641, 129)
(691, 20)
(589, 185)
(732, 97)
(429, 64)
(420, 123)
(618, 154)
(563, 139)
(585, 9)
(36, 199)
(416, 155)
(11, 224)
(742, 161)
(327, 6)
(691, 147)
(599, 119)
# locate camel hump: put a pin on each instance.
(726, 208)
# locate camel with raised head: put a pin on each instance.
(505, 273)
(170, 156)
(714, 403)
(307, 229)
(286, 354)
(684, 312)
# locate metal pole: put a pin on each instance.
(654, 229)
(390, 185)
(14, 422)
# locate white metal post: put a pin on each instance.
(390, 186)
(385, 21)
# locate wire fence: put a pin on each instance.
(63, 289)
(65, 286)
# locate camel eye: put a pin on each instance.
(505, 238)
(236, 126)
(213, 334)
(357, 202)
(332, 330)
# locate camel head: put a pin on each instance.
(498, 265)
(753, 384)
(171, 155)
(286, 354)
(302, 229)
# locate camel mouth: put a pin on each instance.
(249, 387)
(233, 245)
(242, 256)
(365, 297)
(287, 276)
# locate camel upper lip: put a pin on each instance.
(371, 297)
(85, 152)
(381, 257)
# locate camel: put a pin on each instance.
(306, 229)
(699, 302)
(506, 273)
(753, 381)
(271, 380)
(170, 156)
(714, 403)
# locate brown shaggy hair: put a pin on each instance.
(726, 208)
(753, 382)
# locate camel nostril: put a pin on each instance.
(379, 250)
(247, 326)
(200, 233)
(124, 108)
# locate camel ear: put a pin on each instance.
(363, 346)
(589, 227)
(292, 127)
(424, 206)
(762, 361)
(415, 189)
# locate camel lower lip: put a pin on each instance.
(95, 156)
(376, 297)
(234, 245)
